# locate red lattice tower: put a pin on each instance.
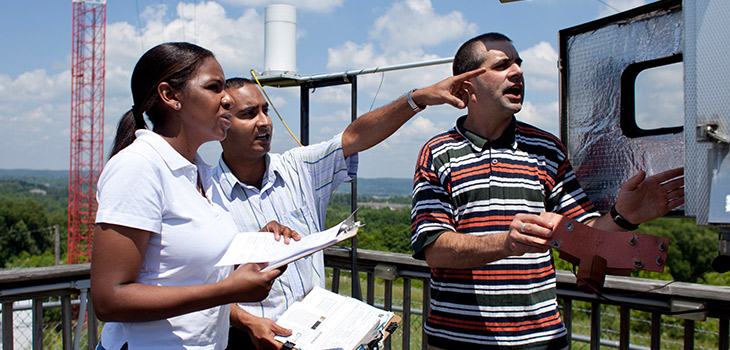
(87, 124)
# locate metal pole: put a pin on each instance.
(66, 316)
(378, 69)
(356, 288)
(7, 317)
(57, 246)
(80, 321)
(304, 114)
(37, 324)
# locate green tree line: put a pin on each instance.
(689, 258)
(28, 211)
(28, 208)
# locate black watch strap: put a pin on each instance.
(621, 221)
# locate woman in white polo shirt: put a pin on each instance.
(158, 236)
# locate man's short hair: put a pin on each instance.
(470, 56)
(237, 82)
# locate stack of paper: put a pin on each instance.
(261, 247)
(325, 320)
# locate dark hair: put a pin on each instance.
(237, 82)
(173, 63)
(469, 56)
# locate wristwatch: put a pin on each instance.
(621, 221)
(413, 104)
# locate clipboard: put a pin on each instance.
(326, 320)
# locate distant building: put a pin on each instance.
(38, 191)
(379, 205)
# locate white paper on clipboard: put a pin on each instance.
(261, 247)
(326, 320)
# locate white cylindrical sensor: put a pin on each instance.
(280, 40)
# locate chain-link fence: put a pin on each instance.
(52, 326)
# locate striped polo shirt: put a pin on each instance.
(470, 185)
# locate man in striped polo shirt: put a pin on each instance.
(478, 191)
(294, 188)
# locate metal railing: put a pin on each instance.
(47, 288)
(658, 301)
(398, 283)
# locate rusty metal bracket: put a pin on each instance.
(598, 253)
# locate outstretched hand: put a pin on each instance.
(644, 198)
(449, 90)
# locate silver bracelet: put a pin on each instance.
(413, 104)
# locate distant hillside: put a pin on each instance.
(33, 173)
(380, 187)
(52, 178)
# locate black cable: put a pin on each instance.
(609, 6)
(382, 77)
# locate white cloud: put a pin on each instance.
(413, 24)
(400, 35)
(35, 102)
(660, 97)
(236, 42)
(35, 110)
(543, 116)
(323, 6)
(620, 5)
(419, 126)
(540, 67)
(351, 54)
(34, 87)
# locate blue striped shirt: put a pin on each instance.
(295, 191)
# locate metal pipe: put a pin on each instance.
(39, 288)
(568, 316)
(624, 327)
(66, 316)
(92, 325)
(406, 335)
(371, 288)
(615, 298)
(595, 325)
(388, 296)
(37, 330)
(317, 77)
(656, 330)
(80, 320)
(414, 274)
(356, 289)
(7, 320)
(336, 280)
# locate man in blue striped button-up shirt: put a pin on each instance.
(294, 188)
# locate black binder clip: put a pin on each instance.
(391, 327)
(373, 344)
(288, 346)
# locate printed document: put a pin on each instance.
(326, 320)
(261, 247)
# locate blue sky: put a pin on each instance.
(333, 36)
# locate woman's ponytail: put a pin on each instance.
(131, 121)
